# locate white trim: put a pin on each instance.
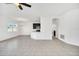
(7, 37)
(71, 43)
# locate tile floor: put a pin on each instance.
(25, 46)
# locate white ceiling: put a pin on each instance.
(39, 9)
(47, 9)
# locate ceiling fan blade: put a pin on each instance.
(25, 4)
(20, 7)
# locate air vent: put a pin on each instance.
(61, 36)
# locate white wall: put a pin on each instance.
(69, 27)
(6, 15)
(46, 26)
(4, 34)
(26, 28)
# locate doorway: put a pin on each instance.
(55, 28)
(54, 33)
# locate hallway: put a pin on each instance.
(25, 46)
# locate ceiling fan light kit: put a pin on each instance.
(19, 5)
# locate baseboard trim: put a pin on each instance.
(8, 38)
(69, 42)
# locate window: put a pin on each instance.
(12, 27)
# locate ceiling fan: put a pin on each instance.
(19, 5)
